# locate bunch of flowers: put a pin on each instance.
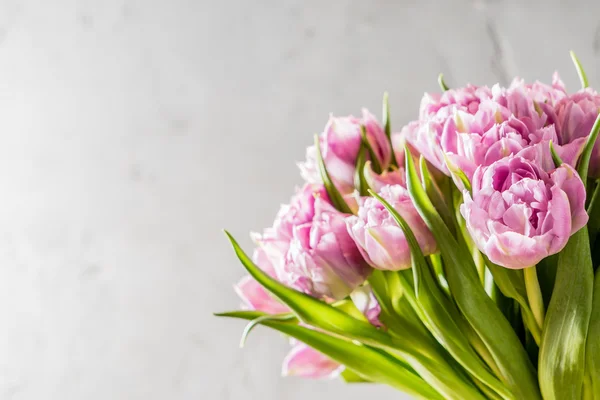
(452, 259)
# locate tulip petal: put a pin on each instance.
(305, 362)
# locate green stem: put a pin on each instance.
(534, 295)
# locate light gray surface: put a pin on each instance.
(133, 131)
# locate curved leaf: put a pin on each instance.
(480, 311)
(350, 376)
(387, 124)
(592, 349)
(594, 214)
(511, 284)
(586, 154)
(442, 83)
(562, 352)
(439, 313)
(433, 369)
(555, 157)
(582, 76)
(334, 194)
(372, 155)
(436, 196)
(360, 183)
(368, 363)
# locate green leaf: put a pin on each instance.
(480, 311)
(350, 376)
(260, 320)
(547, 276)
(360, 183)
(457, 174)
(594, 214)
(584, 160)
(562, 352)
(511, 284)
(555, 157)
(372, 155)
(441, 82)
(438, 269)
(334, 195)
(368, 363)
(387, 124)
(436, 196)
(434, 370)
(439, 314)
(592, 350)
(396, 312)
(582, 76)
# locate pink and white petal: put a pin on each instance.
(306, 362)
(255, 297)
(515, 251)
(570, 152)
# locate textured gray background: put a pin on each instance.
(133, 131)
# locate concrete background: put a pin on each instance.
(131, 132)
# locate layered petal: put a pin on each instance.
(340, 143)
(519, 214)
(378, 236)
(306, 362)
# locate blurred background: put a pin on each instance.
(133, 131)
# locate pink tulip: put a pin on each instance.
(302, 361)
(340, 143)
(467, 98)
(310, 248)
(253, 295)
(323, 259)
(481, 126)
(531, 101)
(364, 299)
(576, 116)
(378, 236)
(519, 214)
(377, 181)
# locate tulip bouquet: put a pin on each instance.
(455, 258)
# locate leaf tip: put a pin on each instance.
(442, 83)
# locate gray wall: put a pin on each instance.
(133, 131)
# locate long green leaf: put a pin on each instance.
(360, 183)
(372, 155)
(334, 194)
(511, 284)
(350, 376)
(480, 311)
(396, 312)
(436, 196)
(592, 349)
(434, 370)
(582, 76)
(594, 214)
(547, 276)
(442, 83)
(439, 313)
(368, 363)
(562, 352)
(387, 124)
(555, 157)
(586, 154)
